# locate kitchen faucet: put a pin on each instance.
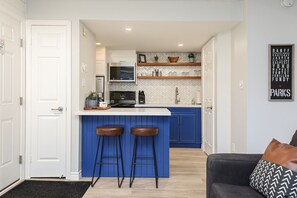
(176, 96)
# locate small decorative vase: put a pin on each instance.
(192, 60)
(92, 103)
(156, 58)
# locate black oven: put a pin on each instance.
(123, 99)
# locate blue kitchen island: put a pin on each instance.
(128, 118)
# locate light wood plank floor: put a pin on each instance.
(187, 180)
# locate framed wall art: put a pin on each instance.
(141, 58)
(281, 70)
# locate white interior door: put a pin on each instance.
(10, 91)
(208, 89)
(48, 100)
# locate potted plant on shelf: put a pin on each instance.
(156, 58)
(191, 57)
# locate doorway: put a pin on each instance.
(208, 93)
(10, 99)
(48, 107)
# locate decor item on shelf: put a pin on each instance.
(156, 58)
(141, 58)
(173, 59)
(92, 100)
(191, 57)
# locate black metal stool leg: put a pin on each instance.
(155, 161)
(122, 162)
(132, 172)
(95, 162)
(117, 158)
(100, 161)
(135, 158)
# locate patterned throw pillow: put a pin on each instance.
(275, 176)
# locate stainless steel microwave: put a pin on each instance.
(121, 72)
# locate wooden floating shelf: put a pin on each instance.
(170, 64)
(169, 77)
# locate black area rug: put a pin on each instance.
(51, 189)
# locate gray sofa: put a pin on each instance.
(228, 174)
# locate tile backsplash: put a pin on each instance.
(163, 90)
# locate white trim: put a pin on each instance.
(28, 99)
(11, 187)
(75, 176)
(23, 94)
(29, 25)
(68, 101)
(214, 102)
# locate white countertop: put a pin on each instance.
(168, 105)
(127, 112)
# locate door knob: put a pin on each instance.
(58, 109)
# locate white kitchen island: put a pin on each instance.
(127, 112)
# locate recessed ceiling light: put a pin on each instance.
(128, 29)
(98, 43)
(180, 45)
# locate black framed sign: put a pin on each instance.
(281, 70)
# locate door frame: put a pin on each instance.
(214, 106)
(29, 24)
(16, 15)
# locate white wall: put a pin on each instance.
(238, 92)
(101, 67)
(16, 8)
(223, 92)
(87, 63)
(157, 10)
(268, 23)
(114, 56)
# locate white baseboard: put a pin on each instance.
(11, 187)
(75, 176)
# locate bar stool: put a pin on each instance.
(143, 132)
(103, 132)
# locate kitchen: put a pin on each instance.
(147, 78)
(241, 50)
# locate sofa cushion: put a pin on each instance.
(275, 174)
(220, 190)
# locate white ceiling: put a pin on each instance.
(155, 36)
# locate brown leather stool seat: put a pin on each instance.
(145, 132)
(104, 132)
(109, 131)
